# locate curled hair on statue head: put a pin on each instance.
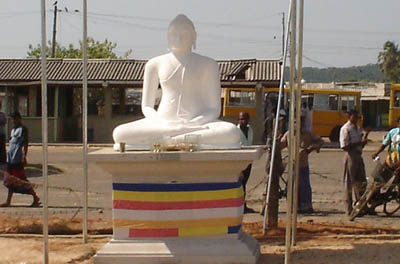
(182, 19)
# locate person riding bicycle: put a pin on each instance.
(392, 162)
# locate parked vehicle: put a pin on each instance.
(330, 106)
(394, 105)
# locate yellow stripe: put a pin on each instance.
(228, 221)
(203, 231)
(177, 196)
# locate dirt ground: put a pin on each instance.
(318, 242)
(325, 237)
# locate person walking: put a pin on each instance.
(14, 176)
(352, 142)
(246, 139)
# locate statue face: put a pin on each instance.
(181, 38)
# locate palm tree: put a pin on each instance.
(389, 61)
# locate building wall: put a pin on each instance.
(34, 126)
(68, 128)
(102, 129)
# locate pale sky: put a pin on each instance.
(336, 33)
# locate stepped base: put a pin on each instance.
(233, 249)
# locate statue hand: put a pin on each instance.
(170, 122)
(191, 123)
(197, 127)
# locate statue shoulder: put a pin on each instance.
(206, 62)
(204, 59)
(153, 62)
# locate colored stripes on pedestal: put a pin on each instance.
(176, 210)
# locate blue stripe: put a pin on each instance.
(233, 229)
(176, 187)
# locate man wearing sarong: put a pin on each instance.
(309, 142)
(352, 142)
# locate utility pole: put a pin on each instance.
(285, 96)
(53, 48)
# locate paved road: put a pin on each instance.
(66, 189)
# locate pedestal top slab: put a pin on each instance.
(110, 155)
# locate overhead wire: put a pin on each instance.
(353, 45)
(99, 18)
(317, 62)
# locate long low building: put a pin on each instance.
(114, 93)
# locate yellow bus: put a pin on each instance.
(330, 106)
(394, 105)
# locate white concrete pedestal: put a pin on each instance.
(177, 207)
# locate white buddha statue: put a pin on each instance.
(191, 97)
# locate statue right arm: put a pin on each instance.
(211, 94)
(150, 86)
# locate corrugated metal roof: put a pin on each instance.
(16, 70)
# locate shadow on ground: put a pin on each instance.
(35, 170)
(338, 251)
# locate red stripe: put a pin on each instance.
(132, 205)
(167, 232)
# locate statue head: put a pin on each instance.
(181, 35)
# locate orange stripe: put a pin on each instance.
(135, 205)
(166, 232)
(227, 221)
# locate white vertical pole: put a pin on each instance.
(6, 106)
(280, 95)
(84, 123)
(291, 133)
(56, 112)
(44, 136)
(298, 118)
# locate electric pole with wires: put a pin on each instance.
(53, 48)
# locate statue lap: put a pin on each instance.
(214, 135)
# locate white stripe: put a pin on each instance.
(186, 214)
(121, 233)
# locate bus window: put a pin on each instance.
(333, 102)
(397, 99)
(348, 102)
(272, 97)
(326, 102)
(241, 98)
(307, 99)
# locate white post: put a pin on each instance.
(298, 117)
(44, 136)
(56, 112)
(292, 139)
(84, 123)
(281, 84)
(6, 107)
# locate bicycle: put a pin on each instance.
(384, 190)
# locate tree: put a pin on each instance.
(95, 50)
(389, 61)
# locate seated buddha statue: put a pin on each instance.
(191, 97)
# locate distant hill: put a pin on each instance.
(369, 72)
